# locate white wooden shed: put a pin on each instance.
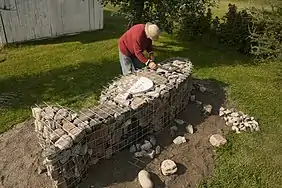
(37, 19)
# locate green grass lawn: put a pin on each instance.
(72, 71)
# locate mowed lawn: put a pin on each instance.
(73, 70)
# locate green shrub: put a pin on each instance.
(256, 32)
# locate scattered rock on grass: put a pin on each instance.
(238, 121)
(168, 167)
(217, 140)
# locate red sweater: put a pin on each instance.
(134, 42)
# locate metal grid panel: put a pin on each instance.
(100, 131)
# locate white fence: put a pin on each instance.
(36, 19)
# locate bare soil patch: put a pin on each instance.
(20, 153)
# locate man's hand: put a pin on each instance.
(152, 65)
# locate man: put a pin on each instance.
(133, 43)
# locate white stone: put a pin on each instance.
(168, 167)
(207, 109)
(151, 153)
(142, 85)
(235, 114)
(221, 109)
(145, 179)
(179, 140)
(236, 129)
(221, 113)
(179, 121)
(190, 129)
(227, 111)
(217, 140)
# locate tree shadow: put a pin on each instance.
(69, 85)
(201, 54)
(122, 169)
(113, 28)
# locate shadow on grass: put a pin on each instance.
(122, 169)
(113, 28)
(201, 54)
(69, 85)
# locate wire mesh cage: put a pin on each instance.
(74, 140)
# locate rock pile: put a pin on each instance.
(72, 141)
(238, 121)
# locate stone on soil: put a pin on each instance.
(168, 167)
(179, 140)
(190, 129)
(145, 179)
(217, 140)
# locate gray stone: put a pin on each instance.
(50, 152)
(61, 114)
(158, 150)
(65, 156)
(56, 134)
(85, 126)
(77, 134)
(68, 126)
(179, 121)
(83, 149)
(147, 145)
(75, 150)
(65, 142)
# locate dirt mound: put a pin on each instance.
(19, 156)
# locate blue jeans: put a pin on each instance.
(129, 64)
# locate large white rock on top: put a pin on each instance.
(168, 167)
(142, 85)
(144, 179)
(217, 140)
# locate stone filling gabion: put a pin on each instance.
(74, 140)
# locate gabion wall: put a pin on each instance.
(72, 141)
